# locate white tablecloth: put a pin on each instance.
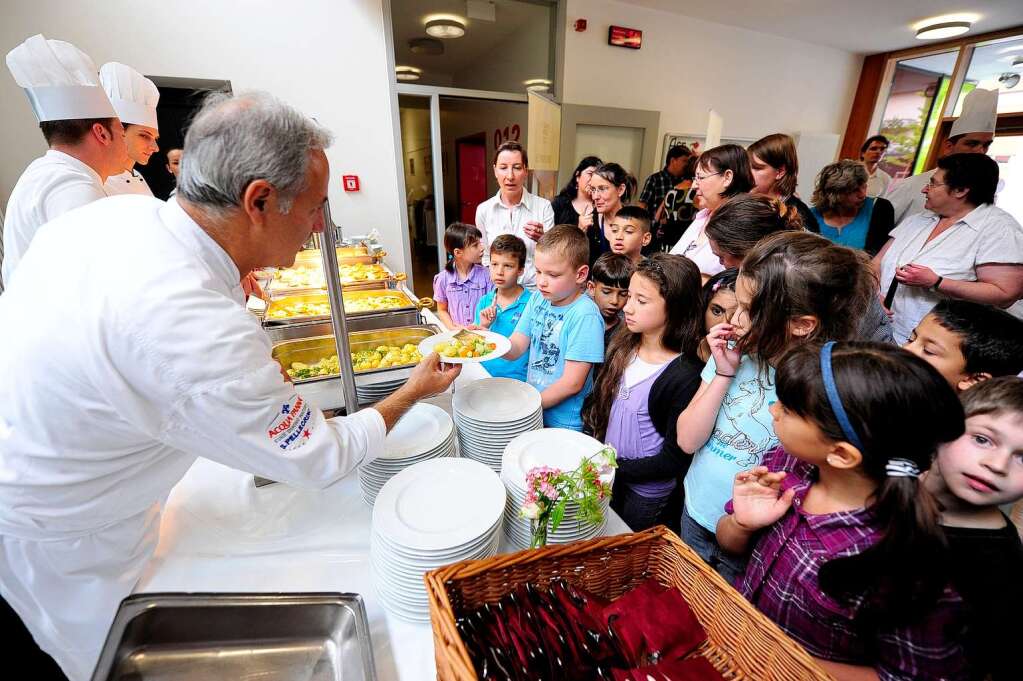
(220, 533)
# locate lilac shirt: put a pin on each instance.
(462, 296)
(632, 433)
(781, 581)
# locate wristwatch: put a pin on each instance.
(937, 284)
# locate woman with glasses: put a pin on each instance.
(775, 169)
(961, 246)
(721, 172)
(611, 187)
(573, 206)
(844, 212)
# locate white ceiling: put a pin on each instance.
(862, 26)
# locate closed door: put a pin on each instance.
(472, 176)
(612, 143)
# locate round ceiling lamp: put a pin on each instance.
(538, 84)
(407, 73)
(944, 29)
(1017, 63)
(427, 46)
(445, 27)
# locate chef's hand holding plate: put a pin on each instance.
(431, 377)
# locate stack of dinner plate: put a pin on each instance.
(492, 412)
(424, 432)
(556, 448)
(372, 392)
(427, 516)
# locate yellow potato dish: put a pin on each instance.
(311, 276)
(381, 357)
(320, 306)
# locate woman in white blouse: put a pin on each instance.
(960, 246)
(721, 172)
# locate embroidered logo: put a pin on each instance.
(291, 428)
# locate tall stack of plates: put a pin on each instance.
(557, 448)
(424, 432)
(427, 516)
(492, 412)
(372, 392)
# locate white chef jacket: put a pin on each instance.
(695, 245)
(128, 182)
(986, 235)
(493, 219)
(121, 366)
(51, 186)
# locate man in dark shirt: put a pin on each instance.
(660, 183)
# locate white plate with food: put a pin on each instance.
(465, 347)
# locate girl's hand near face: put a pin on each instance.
(726, 358)
(756, 502)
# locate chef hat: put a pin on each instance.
(60, 80)
(133, 95)
(980, 109)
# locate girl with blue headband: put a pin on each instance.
(848, 556)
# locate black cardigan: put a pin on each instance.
(669, 396)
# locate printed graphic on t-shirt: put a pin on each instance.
(548, 348)
(746, 433)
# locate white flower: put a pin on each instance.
(530, 511)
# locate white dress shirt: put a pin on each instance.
(695, 245)
(134, 355)
(128, 182)
(51, 186)
(986, 235)
(878, 182)
(493, 219)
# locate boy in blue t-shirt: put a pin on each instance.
(561, 329)
(500, 310)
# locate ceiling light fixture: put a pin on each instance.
(428, 46)
(445, 27)
(1017, 63)
(944, 26)
(407, 73)
(538, 84)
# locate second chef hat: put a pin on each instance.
(133, 95)
(60, 80)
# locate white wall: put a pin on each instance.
(328, 58)
(759, 83)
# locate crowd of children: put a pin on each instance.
(854, 491)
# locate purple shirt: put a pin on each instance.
(631, 432)
(462, 296)
(781, 581)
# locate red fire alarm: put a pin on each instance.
(350, 182)
(580, 25)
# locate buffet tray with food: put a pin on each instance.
(309, 278)
(398, 303)
(346, 255)
(373, 352)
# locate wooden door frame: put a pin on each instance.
(478, 138)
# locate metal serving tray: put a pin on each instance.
(409, 304)
(312, 350)
(346, 255)
(277, 289)
(242, 637)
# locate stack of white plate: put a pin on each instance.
(556, 448)
(427, 516)
(370, 393)
(492, 412)
(424, 432)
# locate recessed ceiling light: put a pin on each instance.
(445, 27)
(430, 46)
(537, 84)
(407, 73)
(947, 29)
(1017, 63)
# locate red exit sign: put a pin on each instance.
(350, 182)
(620, 36)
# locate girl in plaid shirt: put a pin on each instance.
(848, 557)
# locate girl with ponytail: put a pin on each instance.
(848, 555)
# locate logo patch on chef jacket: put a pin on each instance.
(292, 427)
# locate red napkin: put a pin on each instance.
(691, 669)
(654, 622)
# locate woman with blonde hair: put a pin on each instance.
(845, 213)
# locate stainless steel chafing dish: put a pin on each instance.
(315, 636)
(309, 278)
(388, 308)
(313, 349)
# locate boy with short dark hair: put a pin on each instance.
(971, 478)
(561, 329)
(969, 342)
(609, 288)
(500, 310)
(629, 232)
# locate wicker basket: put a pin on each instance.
(742, 643)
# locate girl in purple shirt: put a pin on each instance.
(459, 286)
(848, 557)
(655, 355)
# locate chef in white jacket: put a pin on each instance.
(85, 139)
(133, 354)
(134, 98)
(971, 133)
